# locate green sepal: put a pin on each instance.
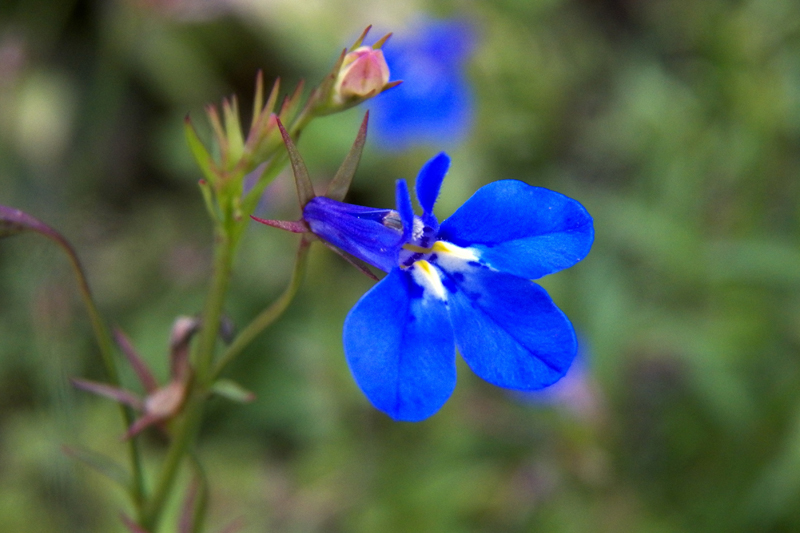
(340, 184)
(233, 130)
(305, 190)
(201, 155)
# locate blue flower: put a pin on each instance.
(434, 103)
(464, 283)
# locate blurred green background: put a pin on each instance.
(676, 123)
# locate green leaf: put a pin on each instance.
(232, 391)
(101, 463)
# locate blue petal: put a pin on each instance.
(429, 181)
(369, 234)
(523, 230)
(508, 329)
(434, 104)
(399, 345)
(404, 207)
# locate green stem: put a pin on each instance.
(212, 314)
(184, 436)
(107, 353)
(200, 507)
(268, 315)
(228, 234)
(187, 431)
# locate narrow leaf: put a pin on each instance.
(305, 191)
(101, 463)
(231, 390)
(146, 377)
(109, 391)
(340, 184)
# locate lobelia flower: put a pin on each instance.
(434, 103)
(464, 283)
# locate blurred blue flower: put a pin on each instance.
(434, 102)
(463, 283)
(577, 392)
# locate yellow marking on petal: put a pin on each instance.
(467, 254)
(424, 265)
(427, 277)
(452, 258)
(440, 246)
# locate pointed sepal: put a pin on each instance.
(340, 184)
(305, 190)
(199, 151)
(294, 226)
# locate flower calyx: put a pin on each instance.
(335, 192)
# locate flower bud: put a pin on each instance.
(363, 74)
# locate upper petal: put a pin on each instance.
(429, 181)
(520, 229)
(400, 348)
(507, 328)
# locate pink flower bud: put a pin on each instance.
(364, 73)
